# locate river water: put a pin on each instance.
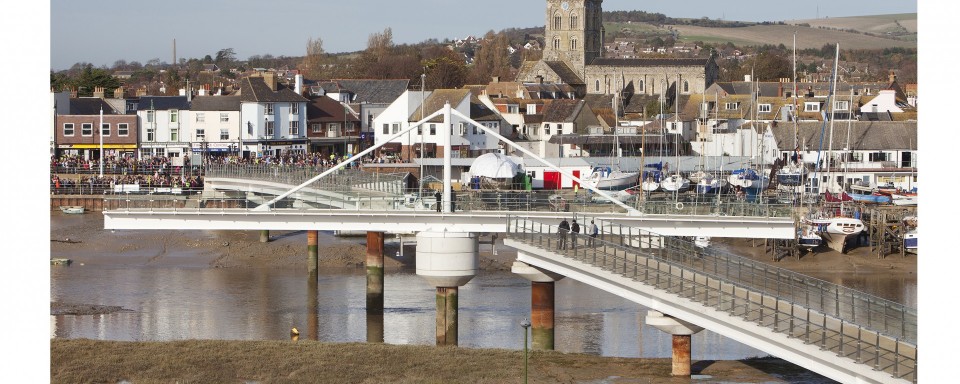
(199, 302)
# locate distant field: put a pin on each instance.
(783, 34)
(874, 24)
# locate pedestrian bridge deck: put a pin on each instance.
(844, 334)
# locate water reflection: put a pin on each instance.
(264, 304)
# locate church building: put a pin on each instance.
(573, 54)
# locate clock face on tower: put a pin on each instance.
(565, 5)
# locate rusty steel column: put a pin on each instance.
(265, 236)
(374, 272)
(541, 314)
(681, 355)
(312, 258)
(313, 308)
(447, 315)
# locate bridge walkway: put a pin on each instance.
(836, 331)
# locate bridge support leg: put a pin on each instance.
(681, 331)
(265, 236)
(541, 302)
(313, 260)
(447, 314)
(375, 272)
(447, 260)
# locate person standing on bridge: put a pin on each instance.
(562, 234)
(575, 231)
(594, 231)
(439, 197)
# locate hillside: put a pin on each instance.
(900, 26)
(783, 34)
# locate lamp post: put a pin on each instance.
(526, 325)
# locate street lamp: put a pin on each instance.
(101, 141)
(526, 325)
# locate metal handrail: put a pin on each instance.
(852, 323)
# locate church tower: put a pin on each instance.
(574, 33)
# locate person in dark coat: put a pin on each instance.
(574, 232)
(562, 234)
(439, 197)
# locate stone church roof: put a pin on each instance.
(651, 62)
(566, 74)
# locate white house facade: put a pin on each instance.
(164, 126)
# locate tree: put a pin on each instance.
(91, 78)
(225, 57)
(445, 68)
(314, 61)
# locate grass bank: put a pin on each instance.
(216, 361)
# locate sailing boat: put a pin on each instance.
(607, 178)
(676, 182)
(834, 227)
(751, 180)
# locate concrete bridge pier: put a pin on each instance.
(681, 331)
(265, 236)
(447, 260)
(313, 260)
(374, 272)
(542, 301)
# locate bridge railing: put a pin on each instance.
(344, 180)
(854, 324)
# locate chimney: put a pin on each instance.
(298, 84)
(119, 93)
(142, 91)
(893, 77)
(496, 79)
(73, 93)
(746, 78)
(271, 79)
(98, 92)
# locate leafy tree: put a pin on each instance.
(91, 78)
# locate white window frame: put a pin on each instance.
(200, 117)
(294, 129)
(269, 129)
(546, 129)
(123, 129)
(764, 108)
(68, 127)
(200, 134)
(351, 127)
(224, 134)
(105, 129)
(174, 135)
(174, 116)
(732, 106)
(151, 115)
(433, 129)
(295, 109)
(386, 129)
(841, 105)
(151, 134)
(224, 117)
(316, 127)
(86, 129)
(811, 106)
(268, 109)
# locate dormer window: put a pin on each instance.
(732, 106)
(811, 106)
(763, 108)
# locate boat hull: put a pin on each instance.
(72, 209)
(903, 200)
(910, 240)
(612, 181)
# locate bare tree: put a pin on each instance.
(313, 63)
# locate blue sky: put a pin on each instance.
(103, 31)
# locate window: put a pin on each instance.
(596, 87)
(463, 129)
(396, 128)
(123, 129)
(513, 109)
(224, 117)
(350, 127)
(105, 129)
(86, 129)
(68, 129)
(200, 117)
(732, 106)
(686, 86)
(174, 135)
(386, 129)
(315, 127)
(150, 116)
(574, 22)
(150, 134)
(420, 129)
(556, 43)
(841, 105)
(433, 129)
(557, 22)
(640, 87)
(573, 44)
(333, 129)
(763, 108)
(295, 109)
(174, 115)
(269, 128)
(294, 128)
(546, 129)
(224, 134)
(474, 129)
(268, 109)
(200, 135)
(878, 156)
(811, 107)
